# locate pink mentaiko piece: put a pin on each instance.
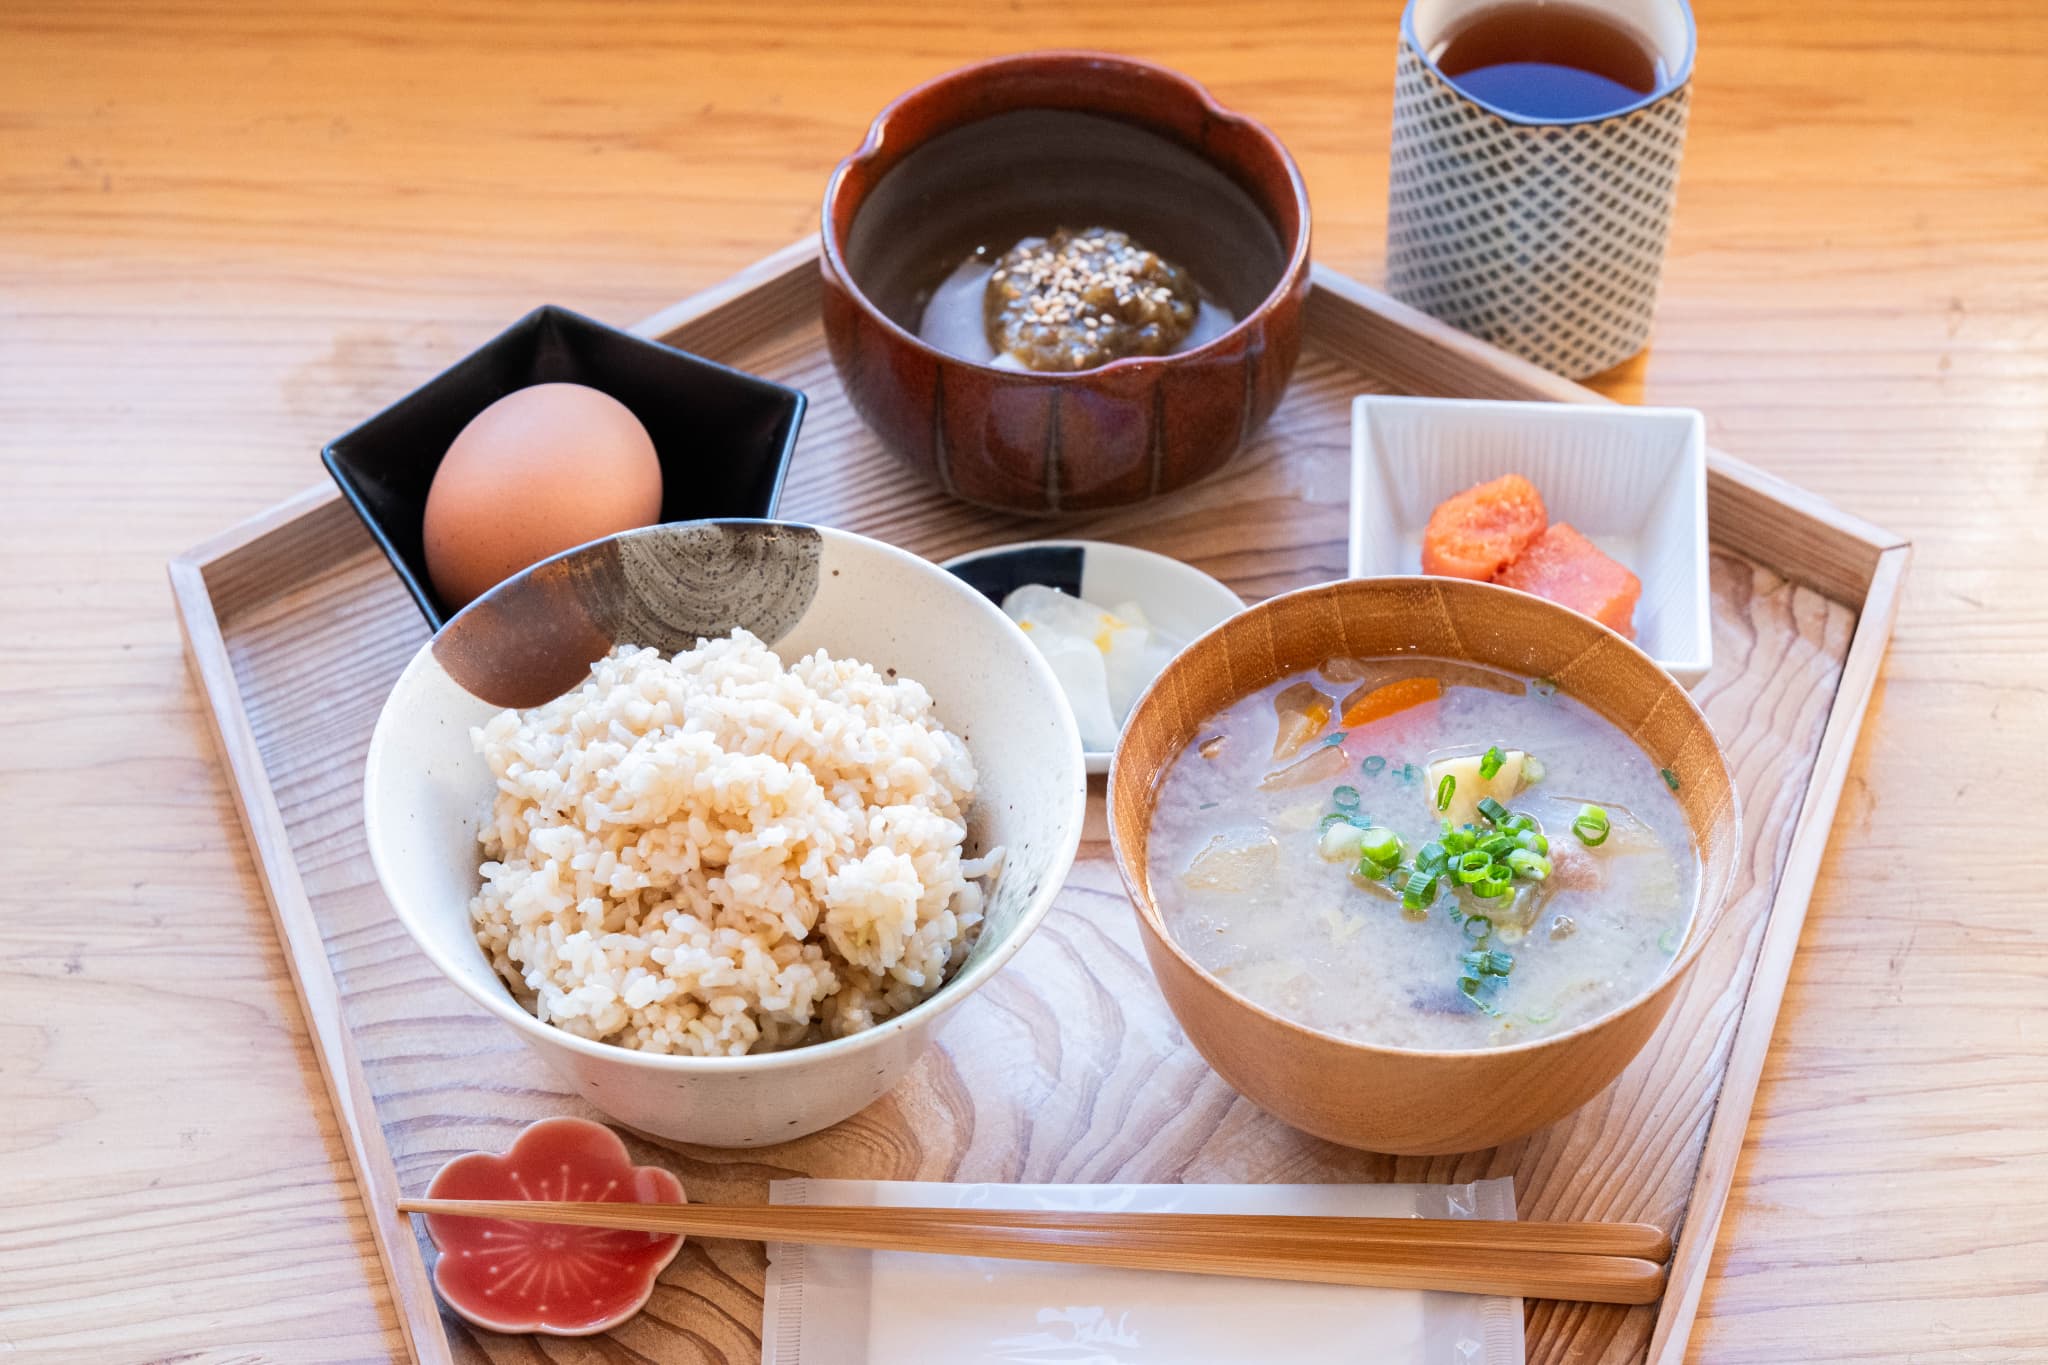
(536, 1277)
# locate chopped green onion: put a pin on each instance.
(1345, 798)
(1332, 740)
(1496, 845)
(1542, 1016)
(1493, 810)
(1532, 770)
(1468, 986)
(1519, 821)
(1485, 926)
(1489, 763)
(1444, 789)
(1494, 884)
(1337, 817)
(1373, 765)
(1471, 867)
(1409, 772)
(1524, 863)
(1531, 840)
(1590, 824)
(1380, 846)
(1456, 841)
(1433, 857)
(1483, 967)
(1420, 890)
(1488, 962)
(1670, 778)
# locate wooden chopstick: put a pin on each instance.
(1592, 1262)
(787, 1221)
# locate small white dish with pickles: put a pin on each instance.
(1600, 507)
(1106, 616)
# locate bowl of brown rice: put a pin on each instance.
(723, 817)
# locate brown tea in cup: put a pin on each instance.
(1550, 61)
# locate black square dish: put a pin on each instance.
(723, 438)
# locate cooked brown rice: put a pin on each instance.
(713, 854)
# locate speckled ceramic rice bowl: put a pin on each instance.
(725, 894)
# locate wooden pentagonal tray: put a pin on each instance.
(1067, 1067)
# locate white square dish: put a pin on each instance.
(1632, 480)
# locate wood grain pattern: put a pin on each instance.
(1630, 1153)
(1775, 956)
(355, 1107)
(229, 231)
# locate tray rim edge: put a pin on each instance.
(1870, 583)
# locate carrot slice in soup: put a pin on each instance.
(1572, 571)
(1479, 531)
(1367, 706)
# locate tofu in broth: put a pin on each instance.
(1421, 853)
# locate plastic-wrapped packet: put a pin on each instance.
(834, 1306)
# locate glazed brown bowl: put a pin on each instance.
(1021, 146)
(1414, 1100)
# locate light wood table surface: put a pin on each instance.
(228, 231)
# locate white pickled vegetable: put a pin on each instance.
(1044, 608)
(1078, 666)
(1128, 654)
(1134, 658)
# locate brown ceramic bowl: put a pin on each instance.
(1021, 146)
(1412, 1100)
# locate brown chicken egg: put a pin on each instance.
(535, 473)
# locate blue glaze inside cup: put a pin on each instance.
(1546, 90)
(1542, 93)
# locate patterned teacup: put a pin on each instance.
(1543, 235)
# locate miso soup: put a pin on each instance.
(1420, 853)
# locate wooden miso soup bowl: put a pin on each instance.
(1396, 1099)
